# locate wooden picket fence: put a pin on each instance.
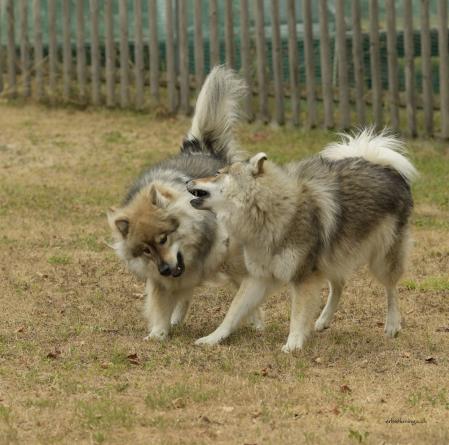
(115, 71)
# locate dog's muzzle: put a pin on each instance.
(200, 195)
(165, 269)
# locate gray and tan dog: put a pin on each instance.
(158, 234)
(312, 221)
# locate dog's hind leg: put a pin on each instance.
(305, 303)
(180, 311)
(324, 320)
(158, 309)
(388, 269)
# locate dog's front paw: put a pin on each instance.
(293, 344)
(321, 324)
(210, 340)
(157, 334)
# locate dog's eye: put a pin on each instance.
(147, 251)
(163, 240)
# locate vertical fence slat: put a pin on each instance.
(52, 48)
(426, 68)
(293, 62)
(154, 49)
(358, 61)
(392, 55)
(245, 57)
(66, 50)
(12, 85)
(199, 46)
(310, 66)
(170, 48)
(326, 69)
(276, 51)
(124, 54)
(110, 53)
(138, 54)
(95, 52)
(262, 91)
(213, 33)
(229, 34)
(374, 47)
(1, 47)
(38, 50)
(444, 67)
(342, 60)
(80, 51)
(25, 48)
(410, 96)
(184, 59)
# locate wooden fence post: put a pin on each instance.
(124, 54)
(444, 67)
(171, 68)
(184, 59)
(25, 48)
(154, 50)
(261, 61)
(293, 61)
(393, 84)
(138, 54)
(52, 47)
(110, 53)
(426, 68)
(310, 65)
(80, 51)
(358, 62)
(410, 95)
(245, 55)
(38, 50)
(326, 69)
(199, 46)
(95, 52)
(376, 86)
(229, 34)
(213, 33)
(66, 50)
(277, 62)
(342, 60)
(12, 86)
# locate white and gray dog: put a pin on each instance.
(158, 234)
(311, 221)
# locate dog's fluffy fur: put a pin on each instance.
(158, 234)
(312, 221)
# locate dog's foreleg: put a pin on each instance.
(324, 320)
(393, 323)
(180, 311)
(305, 303)
(250, 295)
(158, 309)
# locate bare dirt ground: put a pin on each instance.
(73, 363)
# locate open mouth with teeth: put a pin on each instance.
(200, 195)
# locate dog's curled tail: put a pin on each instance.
(216, 113)
(381, 148)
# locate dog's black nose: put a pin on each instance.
(164, 269)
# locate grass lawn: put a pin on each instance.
(73, 364)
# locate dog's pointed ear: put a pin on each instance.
(159, 197)
(256, 163)
(118, 222)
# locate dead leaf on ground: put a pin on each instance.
(178, 403)
(345, 389)
(228, 409)
(431, 360)
(406, 354)
(19, 330)
(54, 354)
(443, 329)
(133, 359)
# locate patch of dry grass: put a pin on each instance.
(73, 363)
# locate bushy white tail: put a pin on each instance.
(382, 148)
(217, 110)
